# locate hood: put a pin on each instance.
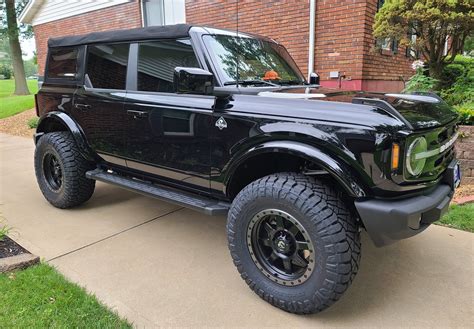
(417, 111)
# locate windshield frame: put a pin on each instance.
(218, 71)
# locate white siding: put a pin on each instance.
(53, 10)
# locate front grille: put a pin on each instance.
(437, 164)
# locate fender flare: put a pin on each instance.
(57, 117)
(337, 169)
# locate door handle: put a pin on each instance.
(82, 106)
(137, 114)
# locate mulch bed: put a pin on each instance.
(9, 248)
(17, 124)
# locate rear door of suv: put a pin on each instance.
(99, 102)
(168, 133)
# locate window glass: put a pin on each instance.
(157, 61)
(62, 63)
(249, 59)
(153, 12)
(107, 66)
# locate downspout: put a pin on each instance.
(312, 25)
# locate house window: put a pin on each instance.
(387, 46)
(153, 12)
(107, 66)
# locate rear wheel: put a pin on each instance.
(294, 242)
(61, 170)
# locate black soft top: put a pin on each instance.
(142, 33)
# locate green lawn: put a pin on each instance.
(460, 217)
(40, 297)
(11, 104)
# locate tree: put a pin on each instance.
(432, 22)
(12, 32)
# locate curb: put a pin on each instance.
(17, 262)
(464, 200)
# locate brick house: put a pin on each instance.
(344, 48)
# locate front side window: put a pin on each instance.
(157, 61)
(107, 66)
(62, 63)
(247, 59)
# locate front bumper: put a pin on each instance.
(389, 221)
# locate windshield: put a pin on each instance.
(247, 61)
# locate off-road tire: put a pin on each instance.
(331, 227)
(75, 188)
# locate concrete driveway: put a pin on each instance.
(161, 265)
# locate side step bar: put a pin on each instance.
(196, 202)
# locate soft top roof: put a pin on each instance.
(143, 33)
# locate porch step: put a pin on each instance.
(193, 201)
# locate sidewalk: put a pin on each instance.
(161, 265)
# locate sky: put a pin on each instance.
(27, 47)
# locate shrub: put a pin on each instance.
(420, 82)
(466, 113)
(33, 122)
(457, 86)
(6, 71)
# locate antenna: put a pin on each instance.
(237, 32)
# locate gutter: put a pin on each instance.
(29, 12)
(312, 32)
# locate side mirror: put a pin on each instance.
(314, 78)
(192, 80)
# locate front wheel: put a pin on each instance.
(294, 242)
(61, 170)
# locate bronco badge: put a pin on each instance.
(221, 123)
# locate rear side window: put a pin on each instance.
(62, 63)
(107, 66)
(157, 61)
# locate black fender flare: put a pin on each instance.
(51, 119)
(336, 168)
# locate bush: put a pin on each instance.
(420, 82)
(6, 71)
(466, 113)
(457, 86)
(33, 122)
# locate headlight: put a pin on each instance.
(415, 166)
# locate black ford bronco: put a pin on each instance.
(225, 123)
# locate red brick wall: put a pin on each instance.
(343, 40)
(339, 37)
(121, 16)
(382, 66)
(285, 21)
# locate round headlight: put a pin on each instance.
(415, 166)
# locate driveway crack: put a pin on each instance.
(114, 235)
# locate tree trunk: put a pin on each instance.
(436, 71)
(21, 88)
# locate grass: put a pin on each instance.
(40, 297)
(4, 229)
(460, 217)
(11, 104)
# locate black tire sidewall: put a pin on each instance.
(302, 291)
(42, 150)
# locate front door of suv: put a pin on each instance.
(168, 133)
(99, 103)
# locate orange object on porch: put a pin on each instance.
(271, 75)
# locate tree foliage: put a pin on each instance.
(25, 31)
(432, 21)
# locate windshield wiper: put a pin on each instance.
(290, 82)
(249, 82)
